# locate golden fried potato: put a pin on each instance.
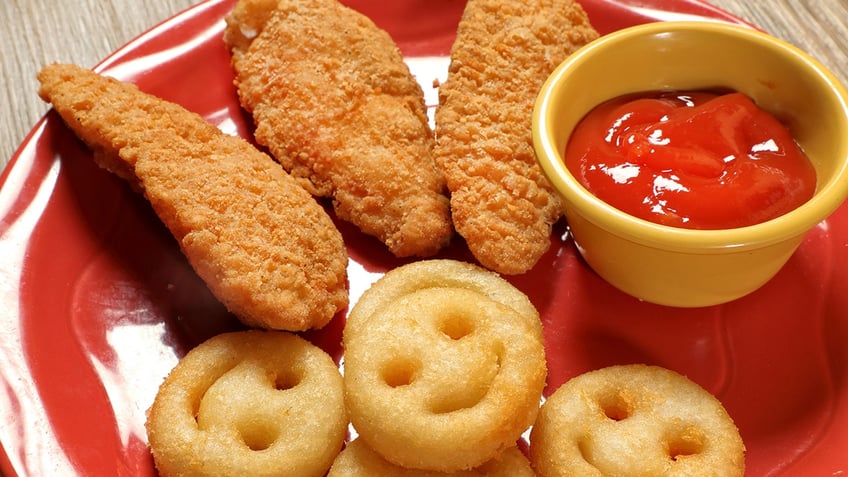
(442, 378)
(257, 403)
(358, 460)
(635, 421)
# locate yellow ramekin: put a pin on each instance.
(676, 266)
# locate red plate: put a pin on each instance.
(98, 303)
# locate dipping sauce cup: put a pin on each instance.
(686, 267)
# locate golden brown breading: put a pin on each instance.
(501, 202)
(334, 102)
(261, 243)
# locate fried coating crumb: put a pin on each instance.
(335, 104)
(501, 202)
(262, 244)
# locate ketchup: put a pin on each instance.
(698, 160)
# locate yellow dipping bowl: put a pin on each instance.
(675, 266)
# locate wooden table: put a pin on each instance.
(86, 32)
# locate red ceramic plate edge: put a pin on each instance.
(22, 162)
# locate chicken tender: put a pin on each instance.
(335, 104)
(262, 244)
(502, 204)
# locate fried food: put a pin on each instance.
(441, 378)
(502, 204)
(261, 243)
(335, 104)
(358, 460)
(638, 421)
(442, 273)
(257, 403)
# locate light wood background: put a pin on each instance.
(36, 32)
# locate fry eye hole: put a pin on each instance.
(287, 380)
(456, 325)
(400, 372)
(615, 406)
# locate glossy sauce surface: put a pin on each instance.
(699, 160)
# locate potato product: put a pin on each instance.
(501, 203)
(261, 243)
(443, 273)
(442, 378)
(635, 421)
(335, 103)
(358, 460)
(255, 403)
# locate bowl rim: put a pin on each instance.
(788, 226)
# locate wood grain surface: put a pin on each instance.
(36, 32)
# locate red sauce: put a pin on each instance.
(697, 160)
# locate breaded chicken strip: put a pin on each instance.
(501, 202)
(334, 102)
(261, 243)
